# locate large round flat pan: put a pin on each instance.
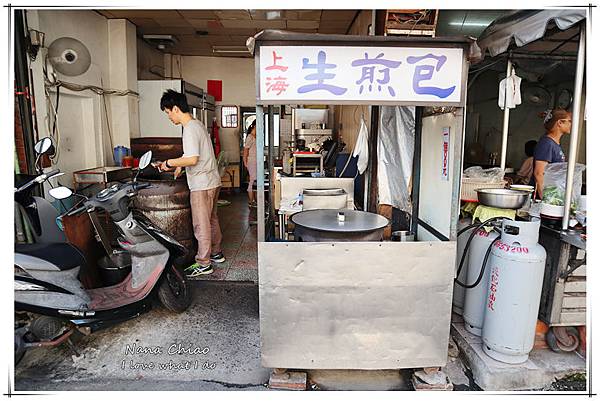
(327, 220)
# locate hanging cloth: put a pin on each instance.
(361, 149)
(510, 86)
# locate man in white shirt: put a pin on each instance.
(203, 180)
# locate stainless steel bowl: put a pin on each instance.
(502, 198)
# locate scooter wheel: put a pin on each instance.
(174, 292)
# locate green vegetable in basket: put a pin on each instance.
(553, 196)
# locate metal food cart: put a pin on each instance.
(364, 305)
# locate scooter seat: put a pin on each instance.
(62, 255)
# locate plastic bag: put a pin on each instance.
(395, 149)
(555, 180)
(490, 175)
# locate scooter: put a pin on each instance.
(39, 213)
(50, 301)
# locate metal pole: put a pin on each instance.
(373, 162)
(416, 171)
(22, 85)
(366, 175)
(378, 18)
(521, 56)
(260, 173)
(271, 163)
(574, 140)
(506, 115)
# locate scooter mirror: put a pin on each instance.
(145, 160)
(60, 192)
(43, 145)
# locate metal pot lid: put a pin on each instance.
(327, 220)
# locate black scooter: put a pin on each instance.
(50, 301)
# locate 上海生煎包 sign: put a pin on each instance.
(376, 74)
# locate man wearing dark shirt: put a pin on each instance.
(548, 150)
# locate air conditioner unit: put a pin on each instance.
(161, 42)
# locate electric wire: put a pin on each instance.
(422, 14)
(54, 135)
(485, 67)
(96, 89)
(56, 109)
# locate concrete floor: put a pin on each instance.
(223, 318)
(543, 368)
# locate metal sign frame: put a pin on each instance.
(366, 44)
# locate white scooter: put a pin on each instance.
(50, 301)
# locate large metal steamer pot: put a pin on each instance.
(323, 225)
(167, 205)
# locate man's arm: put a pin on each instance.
(184, 161)
(538, 173)
(179, 162)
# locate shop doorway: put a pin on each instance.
(248, 116)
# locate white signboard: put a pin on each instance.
(445, 150)
(376, 74)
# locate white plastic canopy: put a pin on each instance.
(524, 27)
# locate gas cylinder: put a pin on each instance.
(475, 297)
(514, 290)
(458, 297)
